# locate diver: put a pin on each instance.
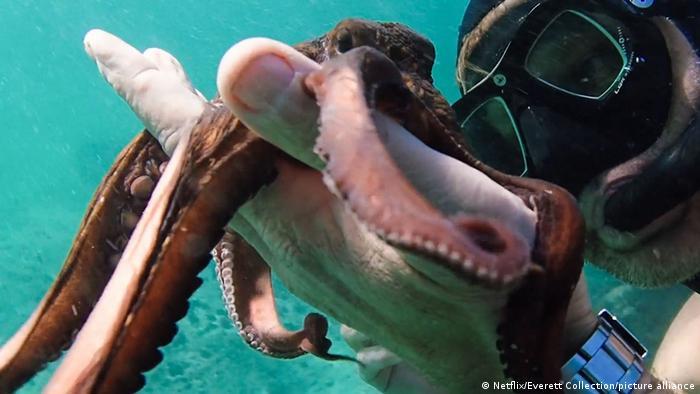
(600, 97)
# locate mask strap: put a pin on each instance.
(474, 12)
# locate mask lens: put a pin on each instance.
(577, 55)
(493, 136)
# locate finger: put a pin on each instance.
(675, 360)
(355, 339)
(376, 358)
(154, 85)
(168, 64)
(260, 81)
(118, 61)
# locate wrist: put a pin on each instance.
(610, 359)
(597, 349)
(580, 321)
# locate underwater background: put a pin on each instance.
(62, 126)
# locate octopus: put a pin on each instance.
(355, 188)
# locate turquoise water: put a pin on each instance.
(63, 126)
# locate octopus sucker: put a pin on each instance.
(241, 269)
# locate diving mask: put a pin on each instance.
(562, 90)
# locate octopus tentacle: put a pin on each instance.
(205, 182)
(531, 328)
(379, 194)
(246, 287)
(110, 219)
(76, 373)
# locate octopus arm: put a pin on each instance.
(246, 285)
(108, 223)
(206, 180)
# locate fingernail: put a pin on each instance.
(262, 80)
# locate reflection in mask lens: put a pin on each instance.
(577, 55)
(493, 137)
